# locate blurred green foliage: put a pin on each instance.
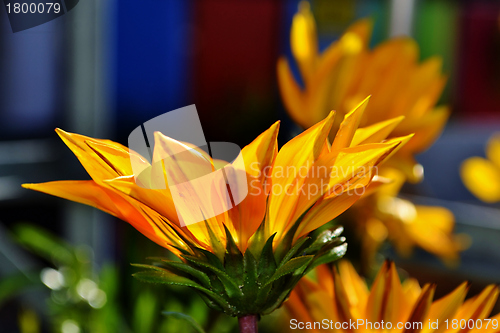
(81, 298)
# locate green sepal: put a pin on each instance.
(211, 258)
(233, 259)
(267, 263)
(152, 267)
(181, 250)
(327, 237)
(214, 240)
(293, 250)
(159, 275)
(231, 288)
(287, 241)
(210, 303)
(279, 286)
(251, 283)
(263, 295)
(258, 239)
(331, 255)
(293, 265)
(280, 298)
(185, 268)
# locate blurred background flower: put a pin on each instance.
(383, 216)
(342, 296)
(107, 66)
(347, 71)
(338, 77)
(482, 175)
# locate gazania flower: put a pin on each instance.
(383, 216)
(348, 70)
(342, 297)
(244, 260)
(404, 92)
(482, 176)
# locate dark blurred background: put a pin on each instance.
(108, 66)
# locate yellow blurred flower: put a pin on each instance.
(404, 93)
(383, 216)
(482, 175)
(342, 296)
(286, 190)
(348, 71)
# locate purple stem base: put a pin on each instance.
(248, 324)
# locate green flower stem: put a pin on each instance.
(248, 324)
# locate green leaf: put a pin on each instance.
(44, 244)
(267, 263)
(145, 308)
(232, 289)
(330, 256)
(165, 277)
(293, 250)
(186, 318)
(290, 267)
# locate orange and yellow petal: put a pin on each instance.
(112, 202)
(290, 169)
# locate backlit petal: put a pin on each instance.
(376, 132)
(445, 308)
(109, 201)
(349, 126)
(290, 169)
(96, 167)
(325, 210)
